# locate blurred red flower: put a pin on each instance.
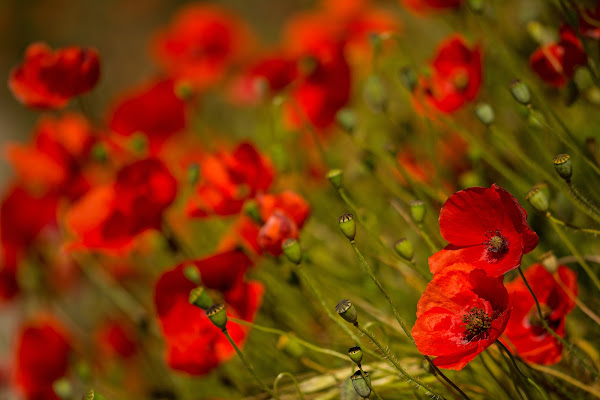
(54, 160)
(48, 79)
(486, 228)
(589, 22)
(426, 6)
(41, 357)
(201, 43)
(152, 109)
(525, 332)
(194, 344)
(110, 217)
(455, 79)
(228, 179)
(555, 63)
(116, 339)
(461, 313)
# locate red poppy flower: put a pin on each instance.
(324, 85)
(9, 287)
(486, 228)
(194, 344)
(23, 216)
(427, 6)
(110, 217)
(41, 357)
(48, 79)
(269, 74)
(152, 109)
(461, 313)
(116, 339)
(455, 79)
(525, 332)
(54, 161)
(201, 44)
(228, 179)
(555, 63)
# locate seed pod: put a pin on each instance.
(520, 92)
(200, 298)
(347, 311)
(564, 167)
(417, 210)
(360, 384)
(347, 225)
(291, 249)
(485, 113)
(405, 249)
(335, 176)
(356, 354)
(538, 198)
(217, 315)
(346, 119)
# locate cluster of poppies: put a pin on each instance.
(466, 307)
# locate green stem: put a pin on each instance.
(393, 361)
(590, 208)
(432, 247)
(368, 383)
(531, 381)
(572, 227)
(247, 365)
(280, 377)
(573, 250)
(551, 331)
(487, 368)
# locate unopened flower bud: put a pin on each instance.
(564, 167)
(485, 113)
(346, 119)
(289, 344)
(538, 197)
(193, 173)
(520, 92)
(360, 385)
(192, 273)
(291, 249)
(347, 311)
(549, 261)
(251, 209)
(405, 249)
(417, 210)
(217, 315)
(63, 388)
(356, 354)
(375, 94)
(335, 176)
(408, 78)
(348, 226)
(200, 298)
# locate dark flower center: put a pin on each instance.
(537, 326)
(496, 244)
(477, 324)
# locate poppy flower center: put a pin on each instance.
(461, 80)
(536, 321)
(496, 243)
(477, 323)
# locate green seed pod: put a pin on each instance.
(520, 92)
(356, 354)
(564, 167)
(63, 388)
(335, 176)
(485, 113)
(291, 249)
(184, 90)
(538, 198)
(99, 153)
(360, 384)
(417, 210)
(348, 226)
(375, 94)
(139, 143)
(346, 119)
(405, 249)
(193, 173)
(408, 78)
(217, 315)
(191, 272)
(347, 311)
(200, 298)
(251, 209)
(549, 261)
(290, 345)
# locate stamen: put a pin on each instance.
(477, 324)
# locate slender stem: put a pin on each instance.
(280, 377)
(369, 272)
(573, 297)
(531, 381)
(566, 378)
(487, 368)
(573, 250)
(432, 247)
(551, 331)
(572, 227)
(247, 365)
(393, 361)
(368, 383)
(283, 333)
(590, 209)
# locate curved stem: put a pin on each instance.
(531, 381)
(572, 227)
(551, 331)
(280, 377)
(248, 366)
